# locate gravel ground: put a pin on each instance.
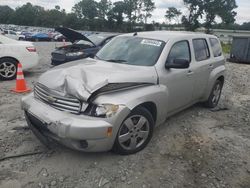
(195, 148)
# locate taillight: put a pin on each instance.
(31, 49)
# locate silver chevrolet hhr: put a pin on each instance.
(134, 83)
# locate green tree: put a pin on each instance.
(245, 26)
(72, 21)
(115, 16)
(55, 17)
(104, 6)
(130, 8)
(148, 7)
(86, 9)
(172, 13)
(27, 15)
(5, 14)
(208, 10)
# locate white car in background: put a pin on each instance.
(12, 52)
(13, 35)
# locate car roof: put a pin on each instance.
(7, 40)
(106, 35)
(168, 35)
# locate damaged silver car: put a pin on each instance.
(134, 83)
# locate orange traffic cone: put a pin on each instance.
(20, 82)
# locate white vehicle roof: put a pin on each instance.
(167, 35)
(6, 40)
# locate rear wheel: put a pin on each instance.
(135, 132)
(8, 69)
(215, 95)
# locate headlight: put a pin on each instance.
(106, 110)
(74, 54)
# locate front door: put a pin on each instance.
(179, 82)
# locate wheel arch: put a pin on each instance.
(151, 107)
(222, 79)
(4, 57)
(216, 74)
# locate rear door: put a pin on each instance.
(202, 66)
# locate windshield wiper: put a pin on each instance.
(116, 60)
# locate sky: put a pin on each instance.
(158, 14)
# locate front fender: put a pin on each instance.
(157, 94)
(215, 74)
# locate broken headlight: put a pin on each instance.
(106, 110)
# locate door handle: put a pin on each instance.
(190, 73)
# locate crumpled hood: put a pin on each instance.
(82, 78)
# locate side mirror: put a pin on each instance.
(178, 64)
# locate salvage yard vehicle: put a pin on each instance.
(39, 37)
(13, 35)
(81, 47)
(12, 52)
(134, 83)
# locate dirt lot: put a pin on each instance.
(195, 148)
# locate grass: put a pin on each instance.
(226, 48)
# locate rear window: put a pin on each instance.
(201, 49)
(216, 47)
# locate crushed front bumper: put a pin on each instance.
(78, 132)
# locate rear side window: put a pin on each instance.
(12, 33)
(201, 50)
(216, 47)
(180, 50)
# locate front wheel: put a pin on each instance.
(135, 132)
(215, 95)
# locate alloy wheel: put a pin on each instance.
(216, 93)
(134, 132)
(7, 69)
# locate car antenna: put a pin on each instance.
(135, 34)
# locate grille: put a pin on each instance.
(68, 104)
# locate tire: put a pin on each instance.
(134, 136)
(8, 69)
(215, 95)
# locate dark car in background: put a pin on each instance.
(81, 47)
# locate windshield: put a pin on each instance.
(132, 51)
(96, 39)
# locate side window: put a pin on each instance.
(12, 33)
(5, 32)
(216, 47)
(201, 50)
(179, 50)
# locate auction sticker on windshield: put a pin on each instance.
(151, 42)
